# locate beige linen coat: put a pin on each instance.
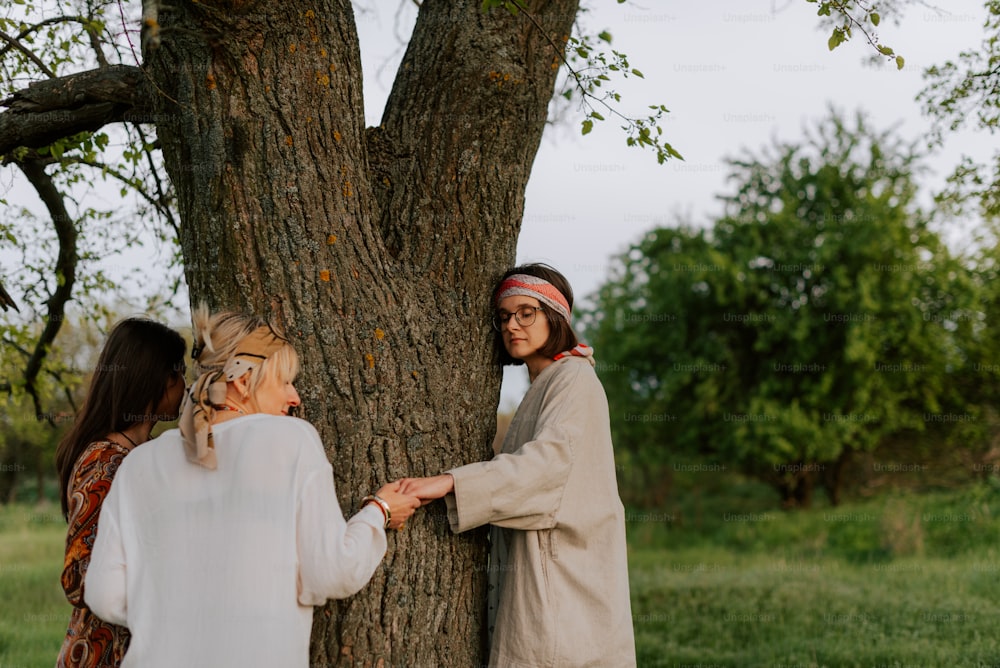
(559, 592)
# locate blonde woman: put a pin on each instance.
(218, 538)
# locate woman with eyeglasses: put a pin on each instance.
(217, 539)
(558, 574)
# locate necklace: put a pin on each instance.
(134, 444)
(227, 407)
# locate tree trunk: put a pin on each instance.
(375, 250)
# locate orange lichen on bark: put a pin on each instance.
(210, 81)
(347, 189)
(288, 140)
(370, 359)
(379, 333)
(499, 78)
(331, 239)
(337, 136)
(324, 275)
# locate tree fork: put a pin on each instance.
(376, 251)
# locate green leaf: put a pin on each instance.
(587, 126)
(900, 62)
(637, 73)
(604, 35)
(596, 115)
(836, 39)
(875, 18)
(885, 50)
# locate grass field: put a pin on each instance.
(719, 580)
(35, 610)
(902, 580)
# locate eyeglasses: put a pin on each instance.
(525, 316)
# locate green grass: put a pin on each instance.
(36, 612)
(903, 580)
(721, 579)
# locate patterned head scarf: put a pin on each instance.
(532, 286)
(208, 393)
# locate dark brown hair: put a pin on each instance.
(138, 361)
(561, 335)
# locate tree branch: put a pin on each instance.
(50, 110)
(12, 41)
(65, 273)
(6, 301)
(158, 204)
(41, 24)
(161, 192)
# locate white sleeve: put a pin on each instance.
(105, 585)
(336, 557)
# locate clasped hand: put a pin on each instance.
(428, 489)
(405, 495)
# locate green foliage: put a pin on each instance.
(820, 314)
(846, 16)
(964, 93)
(49, 38)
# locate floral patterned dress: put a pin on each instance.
(90, 641)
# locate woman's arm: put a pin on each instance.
(88, 488)
(523, 489)
(336, 557)
(519, 490)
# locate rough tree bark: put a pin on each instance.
(376, 250)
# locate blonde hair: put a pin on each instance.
(217, 335)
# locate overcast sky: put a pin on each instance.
(735, 74)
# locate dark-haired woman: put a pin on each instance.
(138, 381)
(558, 573)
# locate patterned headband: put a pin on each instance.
(209, 391)
(532, 286)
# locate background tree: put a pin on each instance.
(965, 93)
(820, 316)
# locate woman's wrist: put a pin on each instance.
(382, 504)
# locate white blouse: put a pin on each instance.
(222, 568)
